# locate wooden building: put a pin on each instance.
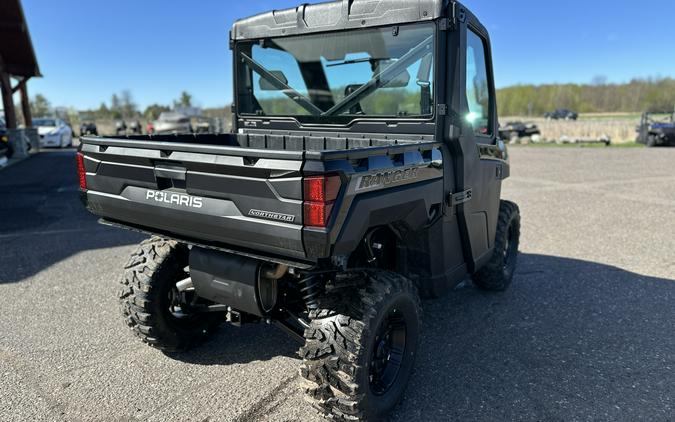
(17, 61)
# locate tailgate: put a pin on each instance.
(219, 194)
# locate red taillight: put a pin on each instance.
(317, 213)
(81, 172)
(322, 188)
(320, 193)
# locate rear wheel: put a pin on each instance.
(497, 274)
(153, 307)
(360, 348)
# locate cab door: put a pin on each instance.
(483, 154)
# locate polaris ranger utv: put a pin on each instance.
(657, 129)
(363, 172)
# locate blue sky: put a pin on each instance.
(89, 49)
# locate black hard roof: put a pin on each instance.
(16, 47)
(337, 15)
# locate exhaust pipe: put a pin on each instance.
(277, 272)
(244, 284)
(185, 285)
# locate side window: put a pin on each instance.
(477, 86)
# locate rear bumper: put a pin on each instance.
(219, 226)
(193, 242)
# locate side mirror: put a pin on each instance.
(266, 85)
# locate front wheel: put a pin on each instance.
(497, 274)
(152, 306)
(360, 348)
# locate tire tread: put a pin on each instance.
(334, 351)
(491, 276)
(139, 293)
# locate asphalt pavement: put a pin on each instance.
(586, 333)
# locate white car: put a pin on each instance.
(53, 132)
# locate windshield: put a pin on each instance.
(44, 122)
(661, 117)
(337, 77)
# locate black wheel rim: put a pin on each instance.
(388, 352)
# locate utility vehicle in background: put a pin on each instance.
(364, 172)
(171, 122)
(120, 127)
(657, 129)
(562, 114)
(88, 127)
(517, 130)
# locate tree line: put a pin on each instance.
(597, 97)
(121, 106)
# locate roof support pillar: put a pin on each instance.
(25, 103)
(7, 102)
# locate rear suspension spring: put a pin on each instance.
(311, 288)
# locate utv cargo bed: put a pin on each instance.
(229, 191)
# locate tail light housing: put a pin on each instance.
(81, 171)
(320, 193)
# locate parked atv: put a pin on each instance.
(120, 128)
(88, 128)
(328, 211)
(135, 128)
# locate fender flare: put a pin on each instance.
(410, 205)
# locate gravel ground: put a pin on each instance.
(585, 333)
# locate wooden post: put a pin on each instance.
(25, 103)
(7, 102)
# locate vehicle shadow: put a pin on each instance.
(236, 345)
(571, 340)
(43, 221)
